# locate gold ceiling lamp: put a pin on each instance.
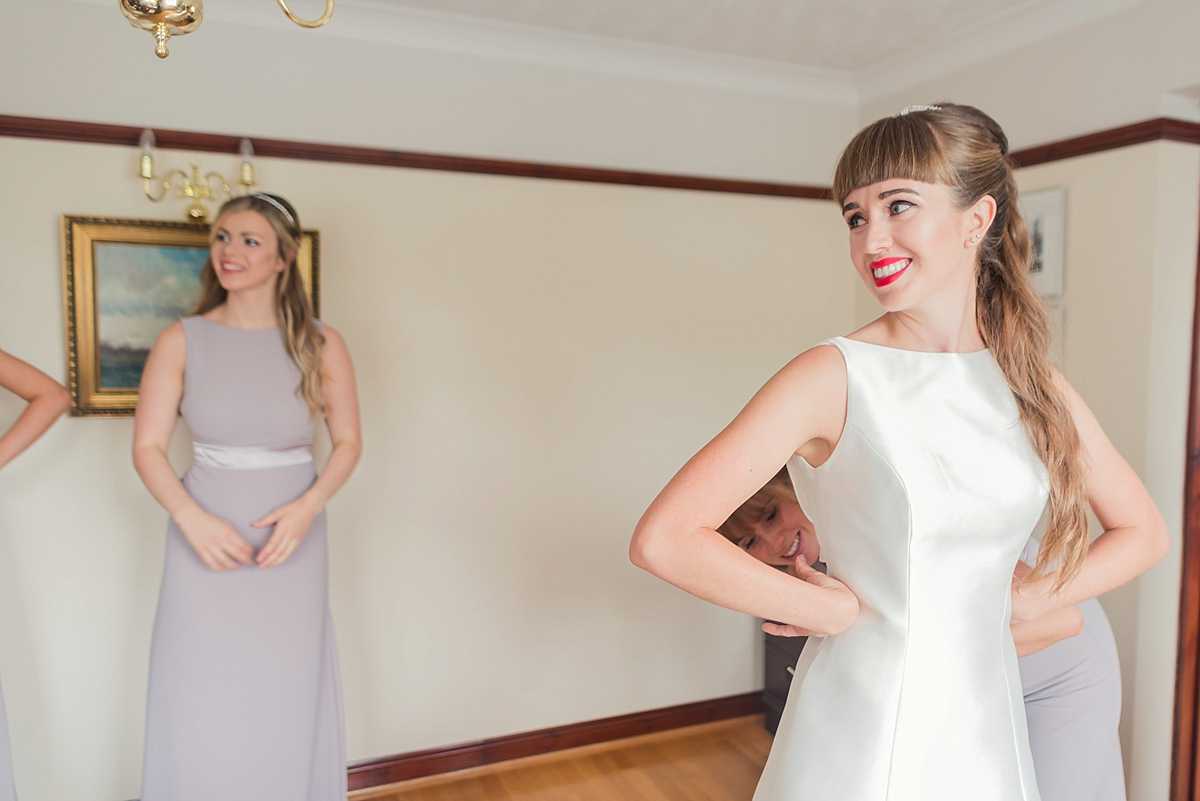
(164, 18)
(194, 187)
(167, 18)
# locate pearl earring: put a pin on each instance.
(974, 239)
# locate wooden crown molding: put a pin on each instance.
(125, 135)
(1113, 138)
(98, 133)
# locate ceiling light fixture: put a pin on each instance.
(194, 187)
(167, 18)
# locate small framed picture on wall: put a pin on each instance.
(1045, 215)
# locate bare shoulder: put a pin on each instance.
(170, 347)
(335, 357)
(162, 377)
(332, 335)
(816, 374)
(802, 406)
(1075, 402)
(1097, 448)
(172, 335)
(823, 362)
(1059, 379)
(335, 347)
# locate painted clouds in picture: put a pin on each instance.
(140, 290)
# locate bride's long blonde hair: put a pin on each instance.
(301, 333)
(966, 150)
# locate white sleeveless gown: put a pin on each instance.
(923, 509)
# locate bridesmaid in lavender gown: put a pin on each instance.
(244, 702)
(47, 400)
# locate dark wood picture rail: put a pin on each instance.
(97, 133)
(376, 772)
(1113, 138)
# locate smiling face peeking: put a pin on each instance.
(772, 527)
(783, 533)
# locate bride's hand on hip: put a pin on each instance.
(1025, 603)
(840, 594)
(291, 523)
(215, 540)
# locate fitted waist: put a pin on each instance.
(251, 457)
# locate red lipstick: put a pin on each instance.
(881, 264)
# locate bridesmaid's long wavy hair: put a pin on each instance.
(966, 150)
(301, 334)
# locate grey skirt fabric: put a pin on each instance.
(244, 700)
(1073, 705)
(8, 790)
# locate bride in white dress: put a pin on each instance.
(926, 447)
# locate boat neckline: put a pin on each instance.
(921, 352)
(234, 327)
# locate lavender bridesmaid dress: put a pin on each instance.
(244, 700)
(1073, 706)
(8, 791)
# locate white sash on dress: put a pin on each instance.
(250, 457)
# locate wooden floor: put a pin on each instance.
(714, 762)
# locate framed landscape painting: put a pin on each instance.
(124, 281)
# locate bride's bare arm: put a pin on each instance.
(1135, 535)
(800, 410)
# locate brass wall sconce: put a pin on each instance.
(167, 18)
(198, 189)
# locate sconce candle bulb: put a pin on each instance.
(146, 162)
(247, 171)
(191, 184)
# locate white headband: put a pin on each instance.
(277, 205)
(908, 109)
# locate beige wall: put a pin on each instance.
(1133, 65)
(535, 359)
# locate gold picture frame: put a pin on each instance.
(124, 281)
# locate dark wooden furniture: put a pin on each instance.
(780, 659)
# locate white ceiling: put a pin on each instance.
(850, 35)
(845, 52)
